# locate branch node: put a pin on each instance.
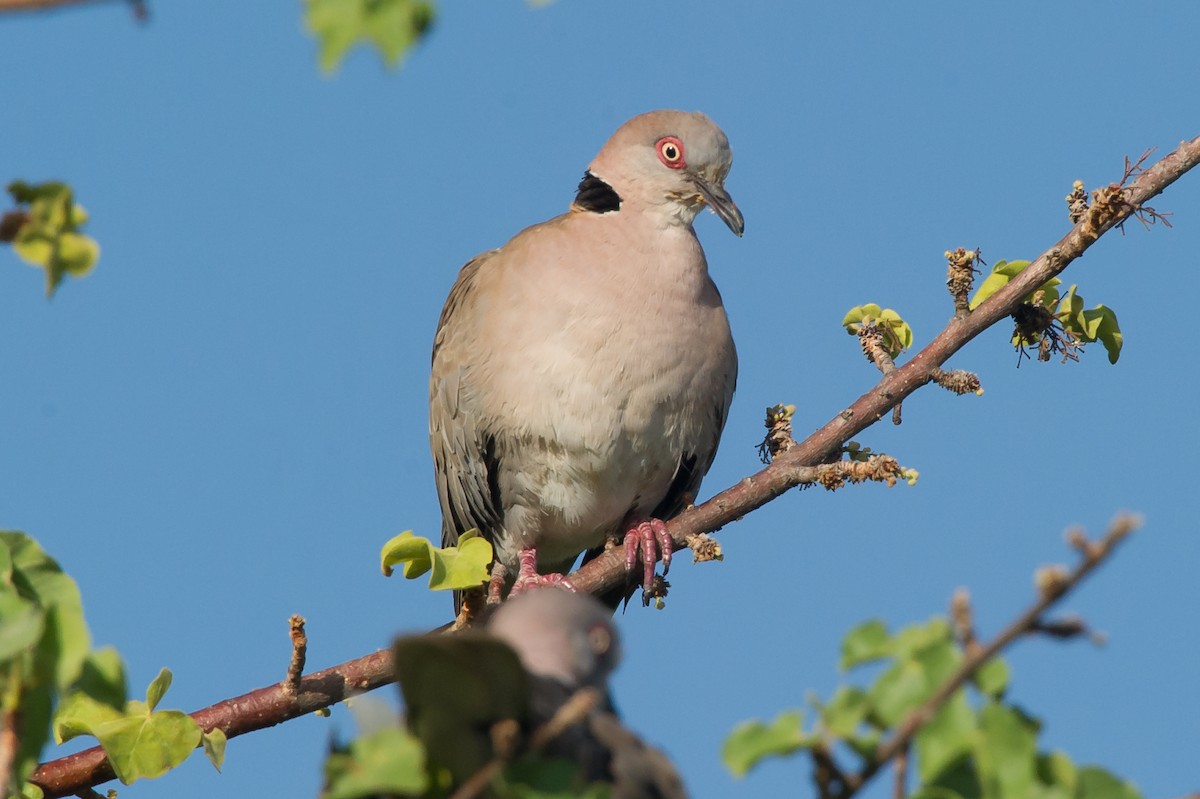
(291, 683)
(704, 548)
(960, 277)
(964, 621)
(779, 432)
(958, 381)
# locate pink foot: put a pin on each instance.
(528, 577)
(651, 537)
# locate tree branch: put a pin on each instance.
(606, 572)
(272, 705)
(1092, 555)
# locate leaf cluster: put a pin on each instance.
(451, 568)
(45, 231)
(897, 335)
(46, 659)
(393, 27)
(976, 746)
(1053, 321)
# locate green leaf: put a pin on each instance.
(1096, 783)
(50, 238)
(1103, 320)
(79, 714)
(144, 746)
(38, 578)
(337, 24)
(992, 678)
(103, 677)
(388, 761)
(158, 687)
(1055, 769)
(751, 741)
(845, 711)
(214, 742)
(21, 625)
(1006, 752)
(867, 642)
(457, 567)
(393, 26)
(911, 640)
(396, 25)
(77, 254)
(411, 550)
(897, 333)
(464, 566)
(1002, 273)
(897, 691)
(945, 738)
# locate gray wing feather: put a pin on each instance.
(465, 464)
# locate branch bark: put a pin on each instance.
(273, 705)
(38, 5)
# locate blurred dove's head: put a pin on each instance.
(560, 634)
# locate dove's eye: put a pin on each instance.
(670, 152)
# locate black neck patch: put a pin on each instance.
(596, 196)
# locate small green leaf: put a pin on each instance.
(1006, 752)
(1096, 783)
(464, 566)
(1103, 320)
(945, 738)
(457, 567)
(1055, 769)
(411, 550)
(1002, 273)
(992, 678)
(393, 26)
(103, 677)
(147, 746)
(80, 714)
(911, 640)
(158, 687)
(21, 625)
(214, 746)
(897, 691)
(751, 741)
(867, 642)
(386, 762)
(845, 711)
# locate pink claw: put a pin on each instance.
(528, 577)
(651, 537)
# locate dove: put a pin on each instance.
(582, 373)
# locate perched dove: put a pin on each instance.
(540, 650)
(582, 372)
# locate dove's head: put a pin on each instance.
(672, 162)
(560, 634)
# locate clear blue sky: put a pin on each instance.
(222, 424)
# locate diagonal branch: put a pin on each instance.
(272, 705)
(608, 571)
(1093, 554)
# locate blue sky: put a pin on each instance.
(222, 425)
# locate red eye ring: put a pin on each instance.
(670, 152)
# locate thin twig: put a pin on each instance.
(10, 729)
(269, 706)
(900, 773)
(291, 683)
